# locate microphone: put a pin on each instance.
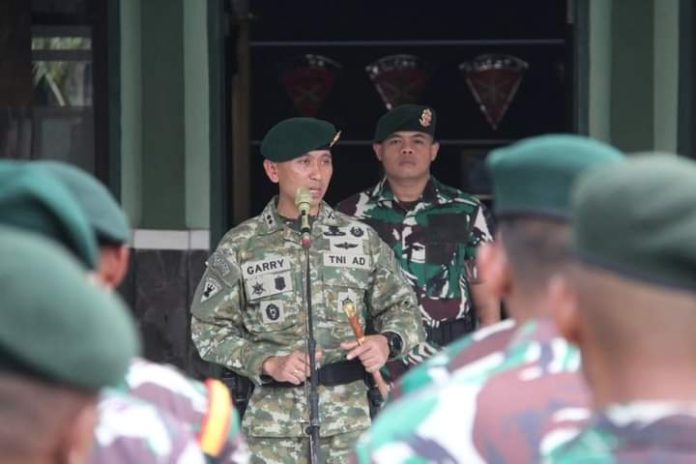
(303, 201)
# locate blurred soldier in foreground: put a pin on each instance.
(250, 309)
(432, 228)
(629, 302)
(205, 407)
(497, 408)
(41, 197)
(56, 351)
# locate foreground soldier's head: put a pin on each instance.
(629, 299)
(56, 351)
(104, 215)
(532, 180)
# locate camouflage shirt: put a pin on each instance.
(435, 242)
(250, 305)
(130, 430)
(639, 432)
(460, 354)
(498, 412)
(205, 408)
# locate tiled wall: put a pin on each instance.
(164, 271)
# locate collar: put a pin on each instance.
(433, 193)
(271, 221)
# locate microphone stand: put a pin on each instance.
(313, 395)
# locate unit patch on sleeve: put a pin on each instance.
(210, 288)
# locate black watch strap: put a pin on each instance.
(395, 343)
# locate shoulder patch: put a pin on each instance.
(210, 288)
(220, 263)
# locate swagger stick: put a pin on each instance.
(349, 309)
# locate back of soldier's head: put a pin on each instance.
(99, 206)
(61, 340)
(35, 201)
(532, 180)
(635, 237)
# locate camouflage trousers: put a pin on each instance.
(334, 450)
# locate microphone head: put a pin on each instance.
(303, 199)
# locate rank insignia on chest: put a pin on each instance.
(272, 312)
(333, 231)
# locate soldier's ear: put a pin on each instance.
(493, 268)
(563, 301)
(377, 148)
(77, 441)
(271, 169)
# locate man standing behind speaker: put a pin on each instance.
(433, 229)
(249, 312)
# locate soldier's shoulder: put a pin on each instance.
(356, 203)
(456, 195)
(132, 430)
(240, 234)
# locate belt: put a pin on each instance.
(448, 331)
(330, 375)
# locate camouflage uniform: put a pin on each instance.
(130, 430)
(250, 305)
(456, 356)
(435, 242)
(496, 410)
(205, 408)
(635, 432)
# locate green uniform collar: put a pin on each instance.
(272, 221)
(433, 193)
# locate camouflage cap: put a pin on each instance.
(292, 138)
(639, 219)
(411, 118)
(101, 209)
(534, 176)
(33, 200)
(54, 324)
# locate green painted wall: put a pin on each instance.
(600, 70)
(666, 68)
(163, 125)
(165, 139)
(632, 79)
(131, 111)
(197, 115)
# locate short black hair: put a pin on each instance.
(536, 248)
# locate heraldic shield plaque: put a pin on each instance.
(493, 81)
(308, 80)
(399, 79)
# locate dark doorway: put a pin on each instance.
(311, 58)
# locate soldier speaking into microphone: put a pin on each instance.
(282, 278)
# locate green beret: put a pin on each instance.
(33, 200)
(102, 210)
(639, 219)
(409, 118)
(54, 324)
(535, 176)
(292, 138)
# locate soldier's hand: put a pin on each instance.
(373, 353)
(293, 368)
